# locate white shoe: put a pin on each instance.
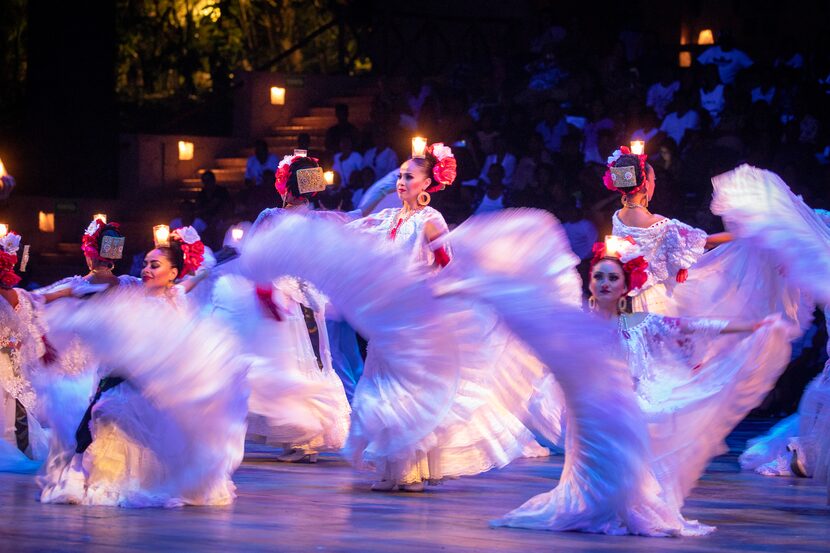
(417, 487)
(797, 463)
(292, 456)
(384, 486)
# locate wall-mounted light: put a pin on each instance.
(684, 59)
(277, 96)
(185, 150)
(705, 37)
(46, 221)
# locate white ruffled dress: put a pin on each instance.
(631, 454)
(173, 432)
(21, 349)
(425, 408)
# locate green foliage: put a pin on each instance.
(186, 48)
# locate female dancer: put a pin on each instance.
(166, 426)
(23, 349)
(760, 208)
(687, 419)
(670, 246)
(412, 425)
(282, 323)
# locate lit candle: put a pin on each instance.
(300, 153)
(328, 176)
(4, 229)
(237, 234)
(161, 235)
(614, 245)
(2, 169)
(101, 216)
(419, 147)
(185, 150)
(277, 96)
(638, 147)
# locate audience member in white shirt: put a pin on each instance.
(729, 61)
(526, 167)
(259, 162)
(493, 199)
(553, 127)
(661, 94)
(499, 157)
(712, 95)
(679, 121)
(346, 160)
(649, 129)
(381, 158)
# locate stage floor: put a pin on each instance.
(328, 507)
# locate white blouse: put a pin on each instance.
(668, 245)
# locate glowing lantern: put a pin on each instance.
(45, 221)
(237, 234)
(705, 37)
(685, 59)
(419, 147)
(277, 96)
(185, 150)
(161, 235)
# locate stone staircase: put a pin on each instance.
(282, 140)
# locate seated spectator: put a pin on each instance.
(493, 199)
(212, 200)
(343, 128)
(526, 167)
(187, 218)
(765, 90)
(712, 95)
(598, 122)
(347, 160)
(729, 60)
(649, 127)
(487, 132)
(500, 156)
(381, 158)
(661, 93)
(360, 183)
(261, 161)
(683, 118)
(553, 126)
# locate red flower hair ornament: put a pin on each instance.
(9, 244)
(192, 248)
(626, 251)
(445, 168)
(612, 178)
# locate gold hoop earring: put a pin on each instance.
(424, 198)
(592, 303)
(622, 304)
